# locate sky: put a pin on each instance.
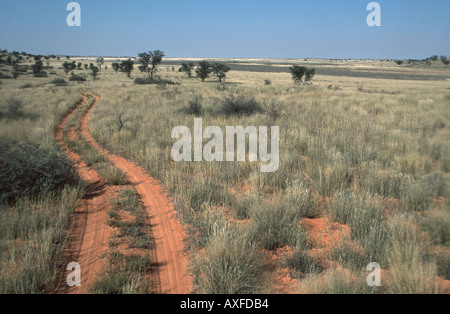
(410, 29)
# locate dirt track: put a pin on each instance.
(171, 261)
(89, 233)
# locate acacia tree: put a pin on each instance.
(69, 66)
(203, 70)
(298, 72)
(150, 60)
(127, 66)
(116, 66)
(187, 68)
(100, 62)
(309, 74)
(37, 67)
(94, 71)
(220, 70)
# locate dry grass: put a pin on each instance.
(376, 150)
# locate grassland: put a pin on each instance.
(364, 172)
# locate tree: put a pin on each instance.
(37, 67)
(69, 66)
(80, 65)
(445, 60)
(94, 72)
(187, 68)
(127, 66)
(220, 70)
(86, 66)
(150, 60)
(116, 66)
(100, 62)
(203, 70)
(298, 72)
(309, 74)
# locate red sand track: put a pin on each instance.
(173, 276)
(89, 232)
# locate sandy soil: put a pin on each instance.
(89, 233)
(167, 231)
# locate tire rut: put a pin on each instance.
(88, 232)
(168, 233)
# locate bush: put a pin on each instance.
(40, 74)
(152, 81)
(77, 78)
(29, 170)
(299, 72)
(240, 105)
(195, 107)
(59, 82)
(13, 109)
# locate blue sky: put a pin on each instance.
(229, 28)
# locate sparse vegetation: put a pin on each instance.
(369, 156)
(203, 70)
(240, 105)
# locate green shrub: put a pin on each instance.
(40, 74)
(27, 169)
(240, 105)
(152, 81)
(59, 82)
(77, 78)
(12, 110)
(195, 107)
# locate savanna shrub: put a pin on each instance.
(40, 74)
(27, 169)
(12, 110)
(240, 105)
(59, 82)
(195, 106)
(152, 81)
(77, 78)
